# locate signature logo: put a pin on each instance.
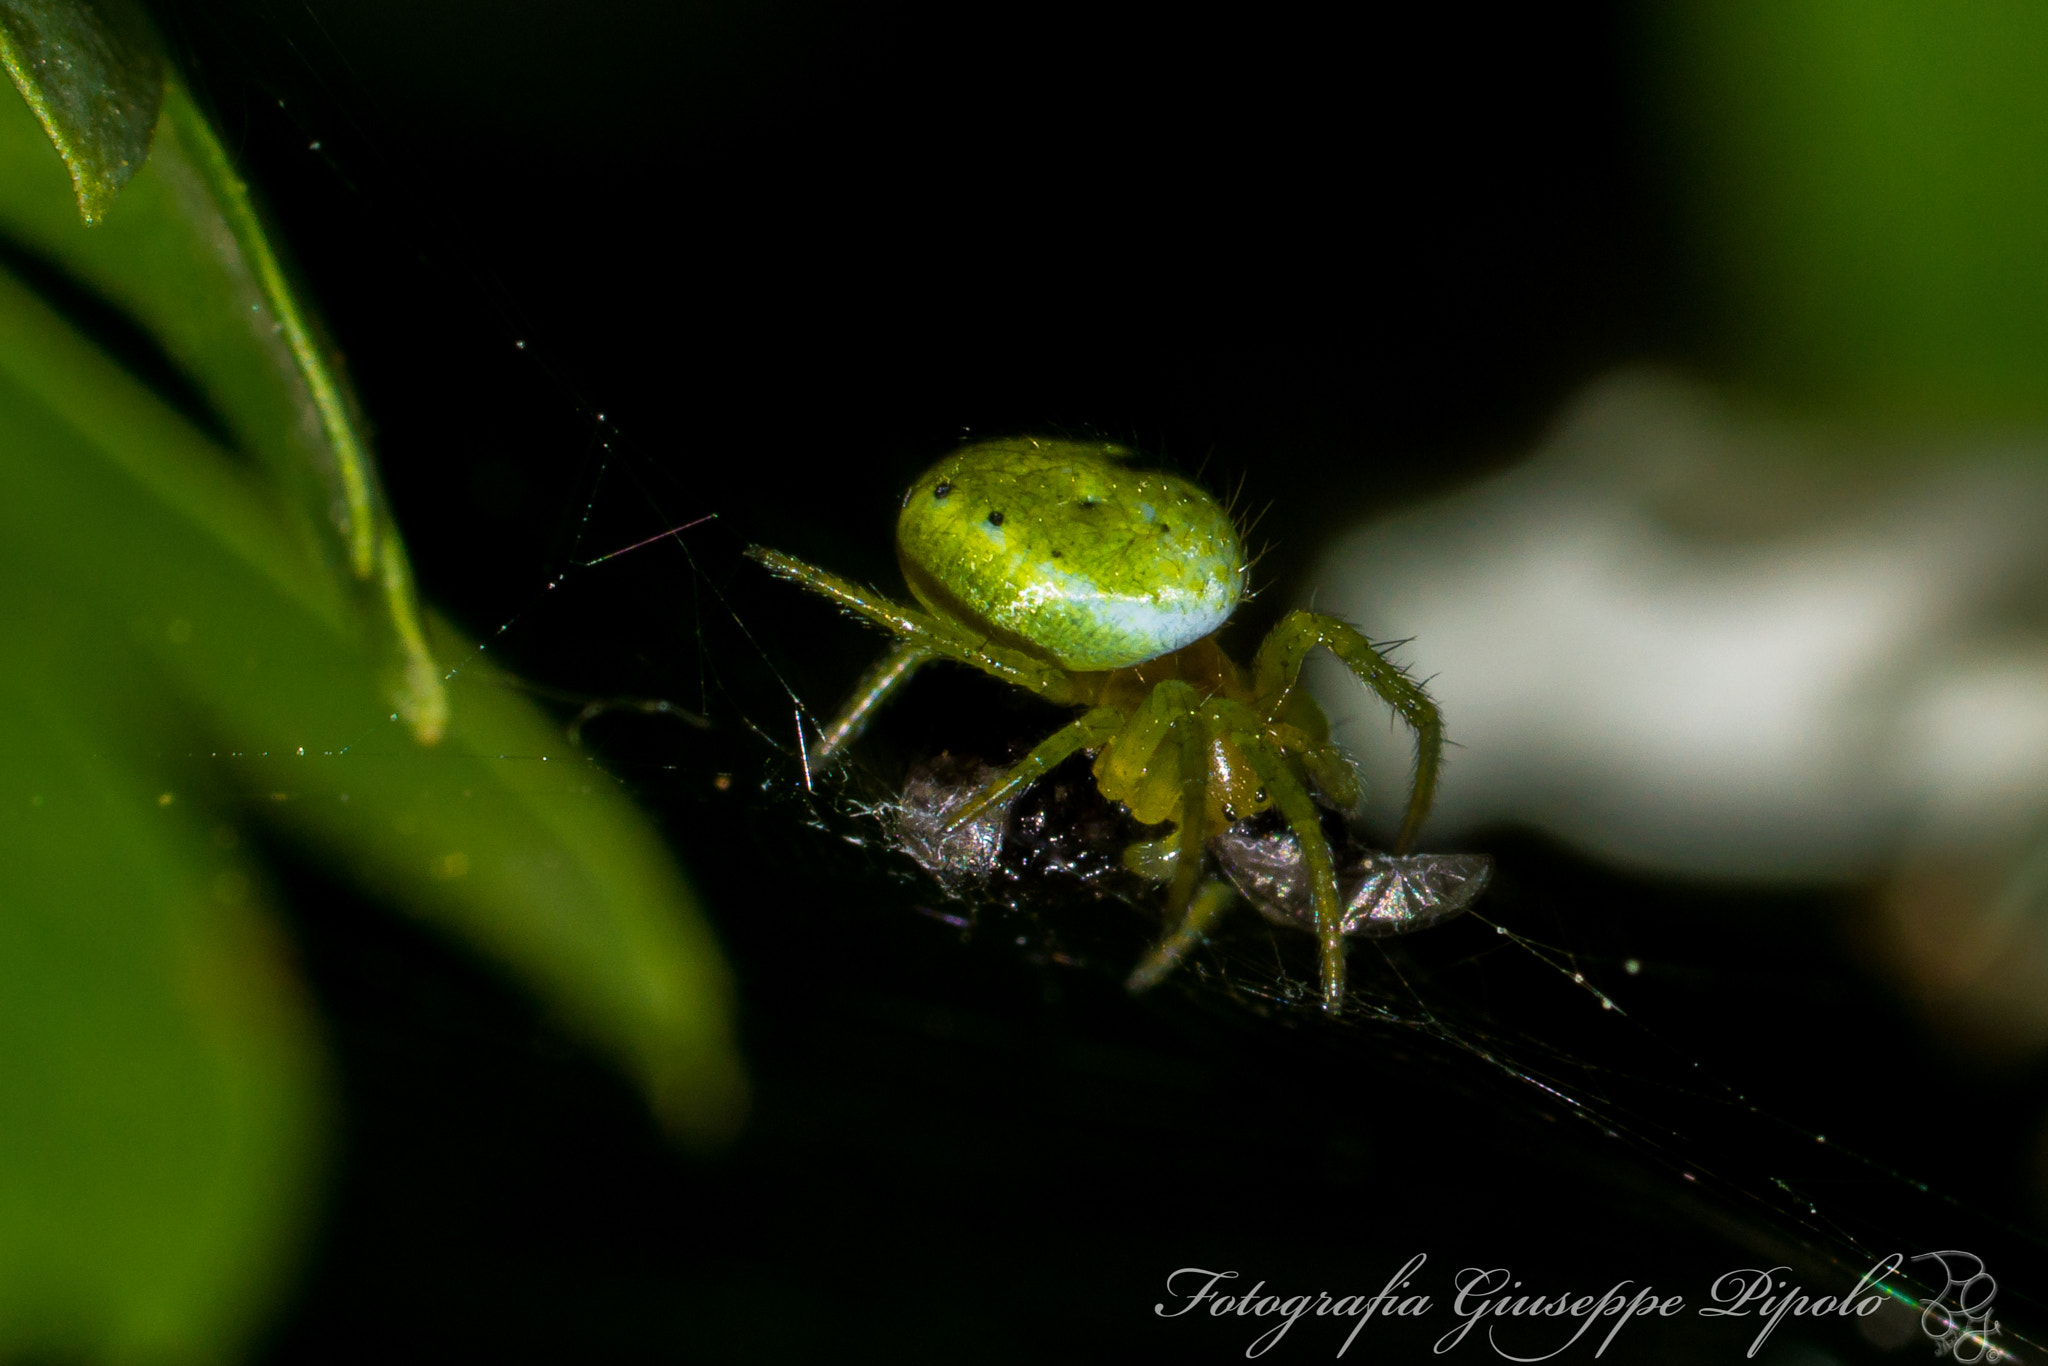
(1959, 1318)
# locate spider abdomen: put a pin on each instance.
(1060, 547)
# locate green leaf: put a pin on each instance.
(94, 75)
(163, 1098)
(204, 639)
(502, 834)
(185, 253)
(1866, 180)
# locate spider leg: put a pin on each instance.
(891, 616)
(1278, 669)
(1141, 767)
(1211, 900)
(942, 638)
(1091, 729)
(1190, 840)
(889, 673)
(1298, 809)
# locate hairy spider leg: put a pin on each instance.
(1091, 730)
(1192, 834)
(943, 639)
(1136, 767)
(1195, 904)
(1299, 811)
(1326, 765)
(1211, 900)
(1192, 903)
(889, 673)
(1278, 668)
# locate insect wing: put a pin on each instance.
(1407, 892)
(1383, 894)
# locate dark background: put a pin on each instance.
(790, 253)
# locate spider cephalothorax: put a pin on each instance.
(1056, 566)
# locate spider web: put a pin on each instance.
(1574, 1009)
(1532, 1003)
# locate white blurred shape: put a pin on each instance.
(1679, 640)
(1976, 740)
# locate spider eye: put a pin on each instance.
(942, 490)
(995, 519)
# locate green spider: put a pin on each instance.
(1055, 566)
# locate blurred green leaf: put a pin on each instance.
(531, 855)
(1866, 182)
(162, 1097)
(184, 253)
(92, 72)
(189, 662)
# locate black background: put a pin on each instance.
(791, 253)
